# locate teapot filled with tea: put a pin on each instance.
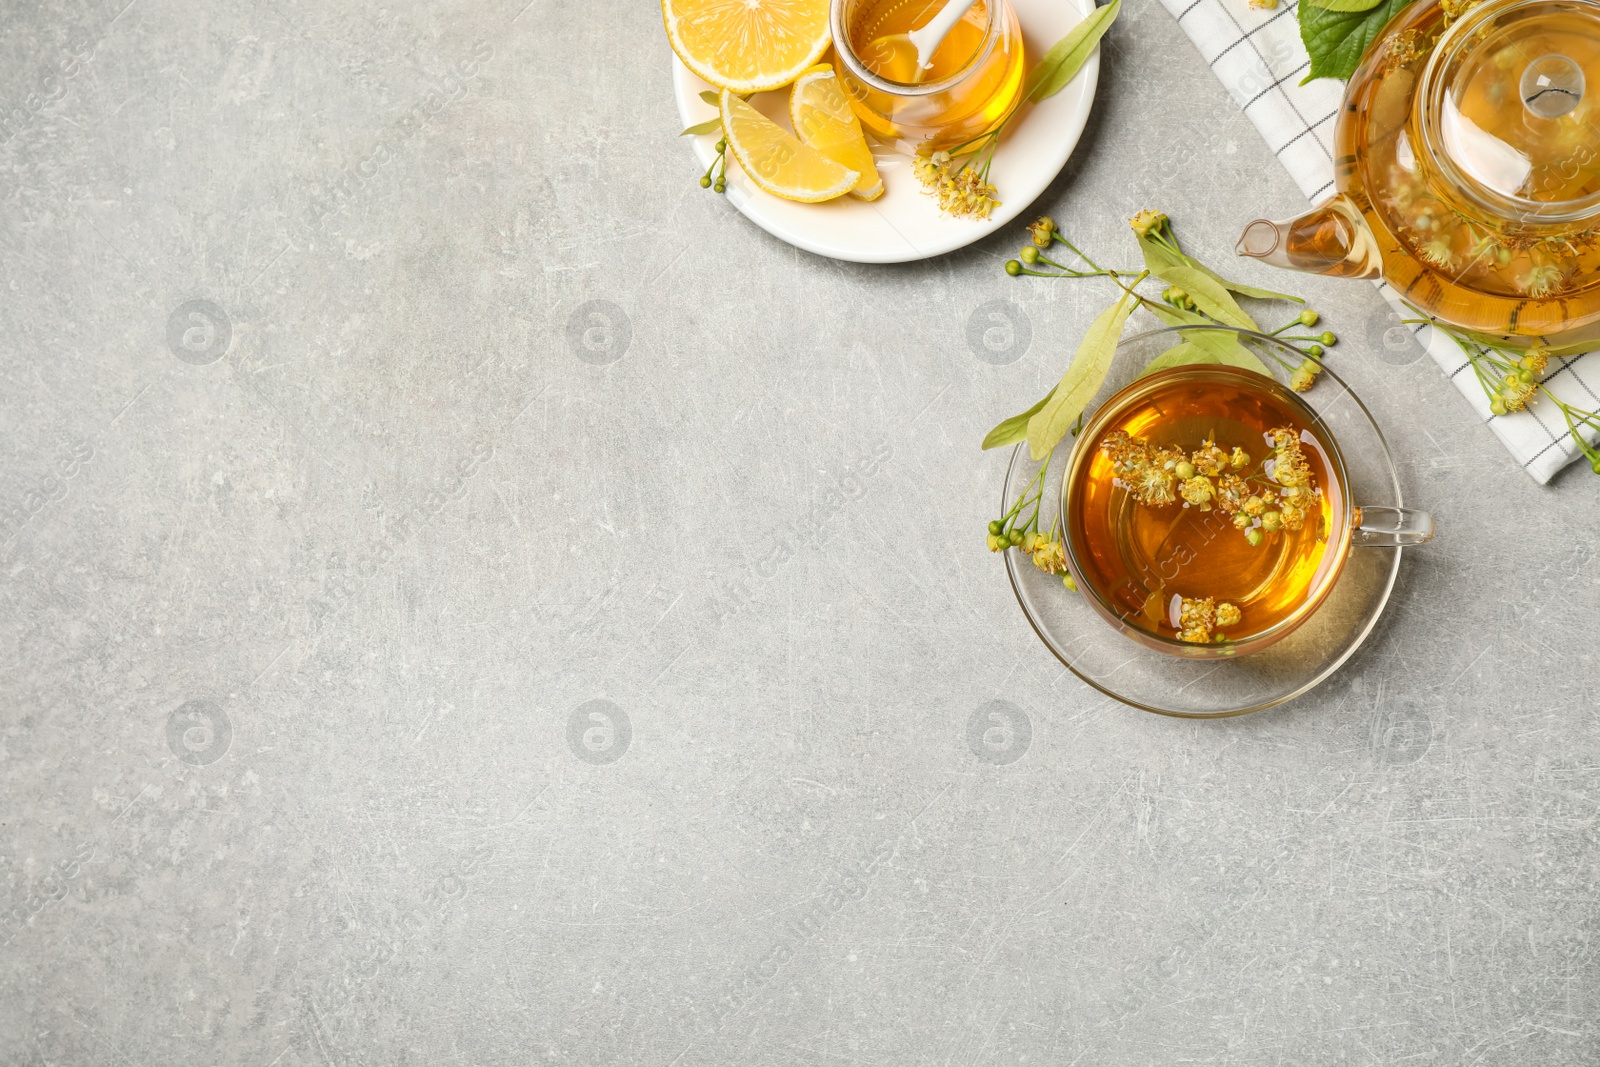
(1467, 167)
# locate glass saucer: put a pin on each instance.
(1207, 689)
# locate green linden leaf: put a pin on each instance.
(1211, 295)
(1061, 64)
(1083, 379)
(1180, 355)
(708, 126)
(1238, 287)
(1344, 5)
(1014, 430)
(1336, 39)
(1219, 346)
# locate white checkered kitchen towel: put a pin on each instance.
(1259, 57)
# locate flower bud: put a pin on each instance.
(1029, 255)
(1147, 222)
(996, 526)
(1013, 268)
(1308, 317)
(1327, 337)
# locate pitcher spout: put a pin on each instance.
(1331, 239)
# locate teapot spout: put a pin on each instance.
(1331, 239)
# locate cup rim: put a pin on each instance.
(1341, 545)
(847, 56)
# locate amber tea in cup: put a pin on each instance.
(1206, 511)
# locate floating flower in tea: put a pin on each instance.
(1213, 477)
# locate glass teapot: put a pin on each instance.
(1467, 159)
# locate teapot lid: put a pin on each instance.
(1506, 105)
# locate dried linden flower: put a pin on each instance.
(1232, 492)
(1199, 491)
(1240, 459)
(1253, 506)
(1195, 618)
(1228, 614)
(1209, 459)
(1542, 280)
(1291, 467)
(1152, 485)
(1440, 251)
(960, 190)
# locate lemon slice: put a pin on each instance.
(776, 160)
(824, 120)
(748, 46)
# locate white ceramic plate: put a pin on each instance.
(905, 224)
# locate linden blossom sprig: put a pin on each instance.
(1011, 531)
(1194, 295)
(716, 175)
(959, 176)
(1510, 379)
(1177, 306)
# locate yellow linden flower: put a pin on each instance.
(1209, 459)
(1290, 468)
(1240, 459)
(1195, 619)
(1042, 231)
(1199, 491)
(1228, 614)
(1152, 485)
(1050, 557)
(1147, 221)
(1232, 492)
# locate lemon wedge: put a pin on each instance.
(776, 160)
(748, 46)
(823, 119)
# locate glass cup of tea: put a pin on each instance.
(1207, 512)
(973, 79)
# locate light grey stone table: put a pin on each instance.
(469, 597)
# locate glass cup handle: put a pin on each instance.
(1391, 527)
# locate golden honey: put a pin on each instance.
(974, 79)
